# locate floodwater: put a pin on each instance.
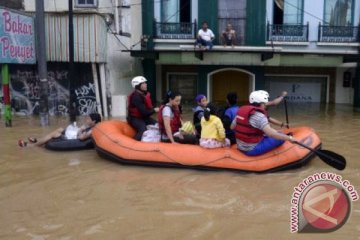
(79, 195)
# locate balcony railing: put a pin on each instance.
(338, 34)
(287, 33)
(175, 30)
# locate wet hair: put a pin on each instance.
(232, 98)
(95, 117)
(210, 109)
(170, 95)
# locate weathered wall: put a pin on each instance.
(25, 89)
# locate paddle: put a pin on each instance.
(286, 114)
(331, 158)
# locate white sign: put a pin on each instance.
(297, 91)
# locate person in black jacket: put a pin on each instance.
(140, 107)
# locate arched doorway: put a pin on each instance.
(230, 80)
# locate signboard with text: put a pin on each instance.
(17, 38)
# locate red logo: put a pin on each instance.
(325, 207)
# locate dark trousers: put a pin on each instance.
(140, 125)
(188, 139)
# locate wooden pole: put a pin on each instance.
(72, 106)
(42, 68)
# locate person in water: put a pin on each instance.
(254, 135)
(84, 132)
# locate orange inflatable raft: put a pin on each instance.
(113, 140)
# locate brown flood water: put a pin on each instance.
(79, 195)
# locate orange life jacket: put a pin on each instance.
(133, 111)
(175, 122)
(243, 130)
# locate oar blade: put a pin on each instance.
(333, 159)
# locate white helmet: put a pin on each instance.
(259, 96)
(137, 80)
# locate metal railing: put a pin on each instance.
(338, 34)
(287, 33)
(175, 30)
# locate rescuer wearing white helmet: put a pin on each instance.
(140, 107)
(254, 135)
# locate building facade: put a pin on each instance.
(307, 47)
(102, 30)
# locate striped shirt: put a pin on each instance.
(257, 120)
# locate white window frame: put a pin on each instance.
(86, 5)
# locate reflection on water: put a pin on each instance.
(78, 195)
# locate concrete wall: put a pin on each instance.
(104, 6)
(120, 67)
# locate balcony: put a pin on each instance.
(175, 30)
(338, 34)
(287, 33)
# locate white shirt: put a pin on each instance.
(206, 35)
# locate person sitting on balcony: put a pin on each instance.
(140, 107)
(228, 36)
(205, 37)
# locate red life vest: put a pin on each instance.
(133, 111)
(175, 122)
(243, 130)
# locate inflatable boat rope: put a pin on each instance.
(253, 159)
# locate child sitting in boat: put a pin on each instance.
(169, 120)
(212, 129)
(83, 133)
(201, 101)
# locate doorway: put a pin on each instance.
(231, 80)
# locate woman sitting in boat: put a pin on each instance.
(169, 120)
(83, 133)
(140, 107)
(212, 129)
(254, 135)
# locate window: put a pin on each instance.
(288, 12)
(338, 12)
(233, 12)
(185, 84)
(175, 11)
(86, 3)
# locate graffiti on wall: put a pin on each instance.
(25, 90)
(85, 96)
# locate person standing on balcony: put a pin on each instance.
(205, 37)
(228, 36)
(140, 107)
